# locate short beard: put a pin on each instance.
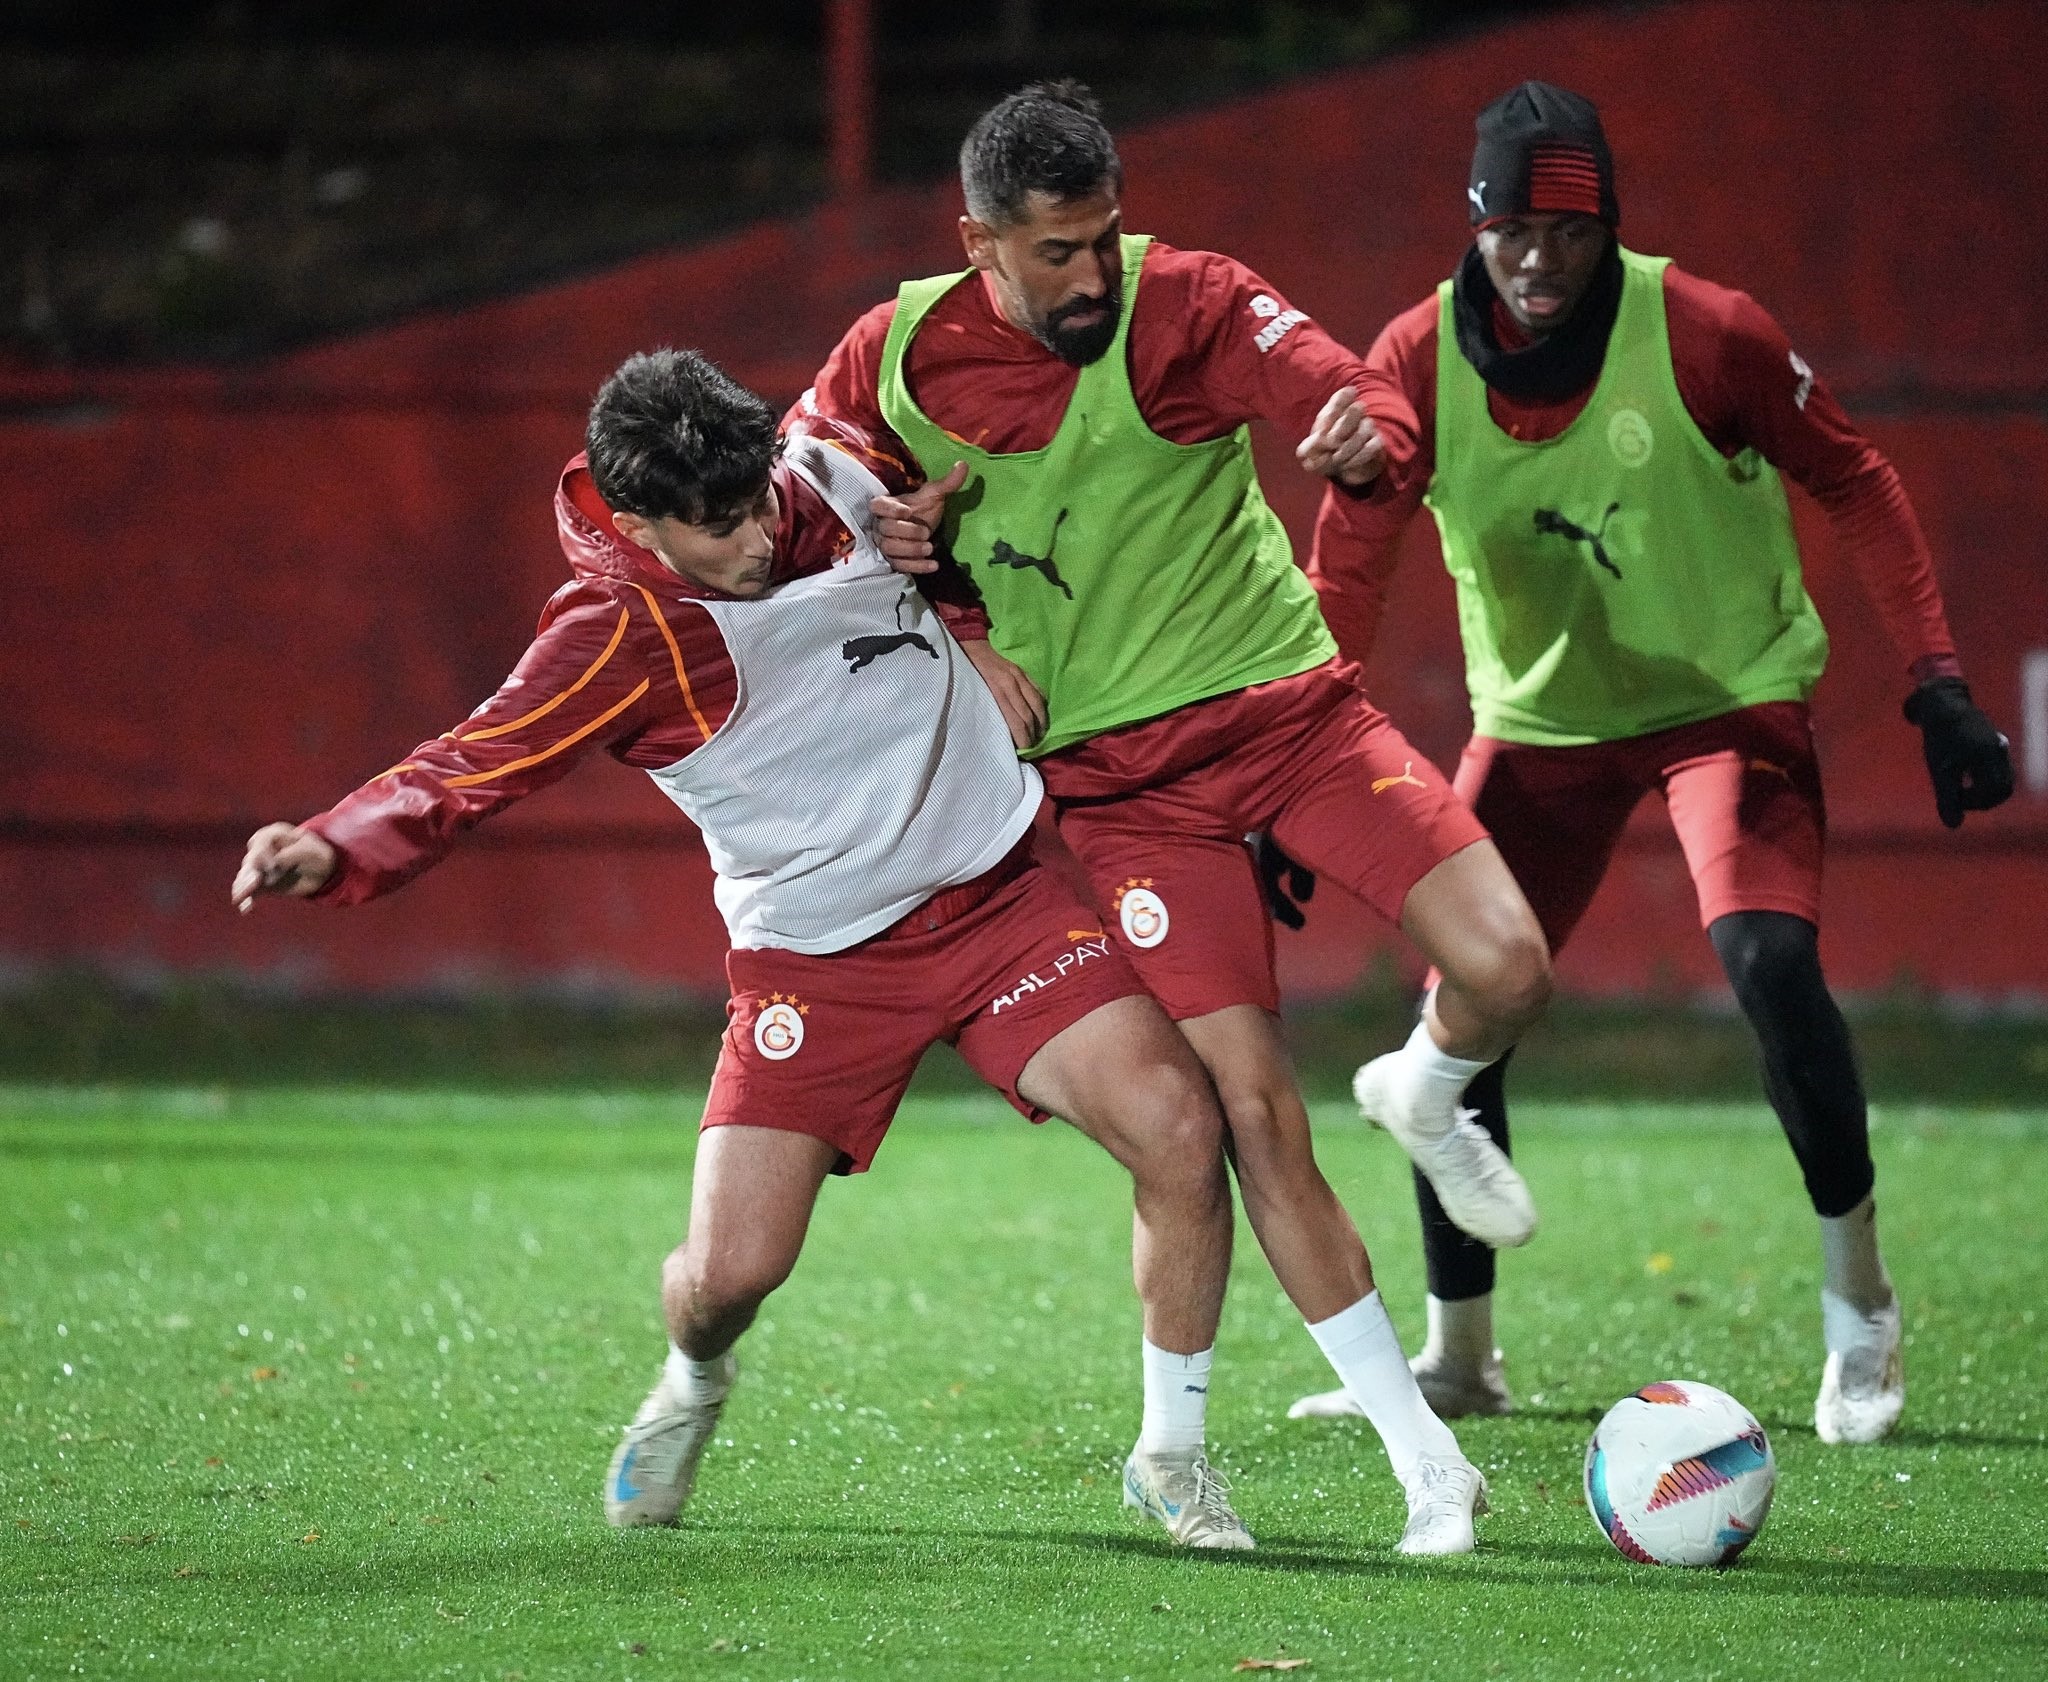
(1079, 345)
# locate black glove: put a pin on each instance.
(1968, 761)
(1289, 886)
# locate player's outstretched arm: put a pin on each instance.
(282, 858)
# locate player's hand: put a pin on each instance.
(1343, 444)
(1289, 886)
(1968, 761)
(1017, 697)
(904, 524)
(282, 858)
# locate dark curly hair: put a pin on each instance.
(672, 435)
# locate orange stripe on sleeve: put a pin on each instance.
(570, 741)
(676, 654)
(870, 451)
(547, 707)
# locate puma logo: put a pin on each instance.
(1381, 784)
(1552, 523)
(865, 651)
(1771, 769)
(1003, 555)
(1478, 197)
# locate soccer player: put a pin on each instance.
(1093, 387)
(1600, 437)
(733, 631)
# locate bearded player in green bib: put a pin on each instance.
(1164, 663)
(1600, 436)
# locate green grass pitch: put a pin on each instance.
(316, 1383)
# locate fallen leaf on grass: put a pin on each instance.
(188, 1571)
(261, 1374)
(441, 1611)
(214, 1460)
(310, 1536)
(1271, 1664)
(141, 1541)
(433, 1518)
(1658, 1262)
(24, 1524)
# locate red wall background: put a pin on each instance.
(231, 595)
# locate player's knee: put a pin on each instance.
(1174, 1127)
(1772, 959)
(1512, 980)
(1268, 1128)
(732, 1280)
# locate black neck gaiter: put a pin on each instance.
(1560, 364)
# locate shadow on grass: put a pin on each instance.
(848, 1553)
(1790, 1575)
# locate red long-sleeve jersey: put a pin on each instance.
(1743, 385)
(1204, 359)
(625, 661)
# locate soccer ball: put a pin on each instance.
(1679, 1474)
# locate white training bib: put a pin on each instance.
(864, 766)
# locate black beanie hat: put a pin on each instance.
(1541, 149)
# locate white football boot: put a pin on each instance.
(655, 1466)
(1863, 1386)
(1186, 1494)
(1475, 1182)
(1444, 1496)
(1453, 1389)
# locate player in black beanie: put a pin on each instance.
(1600, 436)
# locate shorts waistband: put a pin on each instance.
(950, 904)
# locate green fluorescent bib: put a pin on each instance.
(1624, 576)
(1127, 575)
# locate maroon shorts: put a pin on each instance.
(1158, 813)
(824, 1044)
(1743, 791)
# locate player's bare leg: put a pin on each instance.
(1126, 1079)
(750, 1205)
(1321, 1263)
(1471, 921)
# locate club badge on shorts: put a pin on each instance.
(1143, 913)
(779, 1026)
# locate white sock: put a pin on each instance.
(1360, 1343)
(1436, 1078)
(697, 1381)
(1852, 1269)
(1176, 1399)
(1461, 1332)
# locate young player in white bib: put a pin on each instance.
(733, 631)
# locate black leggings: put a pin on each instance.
(1772, 960)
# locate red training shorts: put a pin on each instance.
(1157, 814)
(1743, 791)
(824, 1044)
